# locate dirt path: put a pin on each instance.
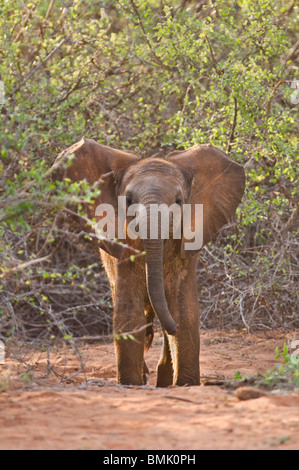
(47, 414)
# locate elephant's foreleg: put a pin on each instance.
(184, 346)
(128, 317)
(185, 349)
(129, 352)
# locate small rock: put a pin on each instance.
(248, 393)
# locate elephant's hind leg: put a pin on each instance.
(165, 368)
(145, 374)
(149, 332)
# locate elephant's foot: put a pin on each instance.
(187, 376)
(129, 379)
(130, 361)
(164, 374)
(187, 381)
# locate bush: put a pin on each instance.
(148, 77)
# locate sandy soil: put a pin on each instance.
(45, 413)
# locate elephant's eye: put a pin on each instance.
(129, 199)
(179, 199)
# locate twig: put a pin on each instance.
(241, 304)
(156, 58)
(108, 383)
(55, 49)
(98, 237)
(25, 23)
(109, 337)
(49, 9)
(184, 399)
(232, 132)
(25, 265)
(43, 23)
(215, 65)
(132, 332)
(269, 104)
(207, 271)
(292, 55)
(62, 327)
(76, 373)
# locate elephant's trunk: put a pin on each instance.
(155, 283)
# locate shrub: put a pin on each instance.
(149, 77)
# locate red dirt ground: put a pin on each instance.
(48, 414)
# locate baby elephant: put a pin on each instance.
(161, 212)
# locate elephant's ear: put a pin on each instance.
(87, 160)
(218, 184)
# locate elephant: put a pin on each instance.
(159, 279)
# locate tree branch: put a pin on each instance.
(55, 49)
(232, 132)
(156, 58)
(269, 104)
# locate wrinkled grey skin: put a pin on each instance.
(163, 281)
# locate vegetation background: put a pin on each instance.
(151, 77)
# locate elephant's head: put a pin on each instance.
(200, 175)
